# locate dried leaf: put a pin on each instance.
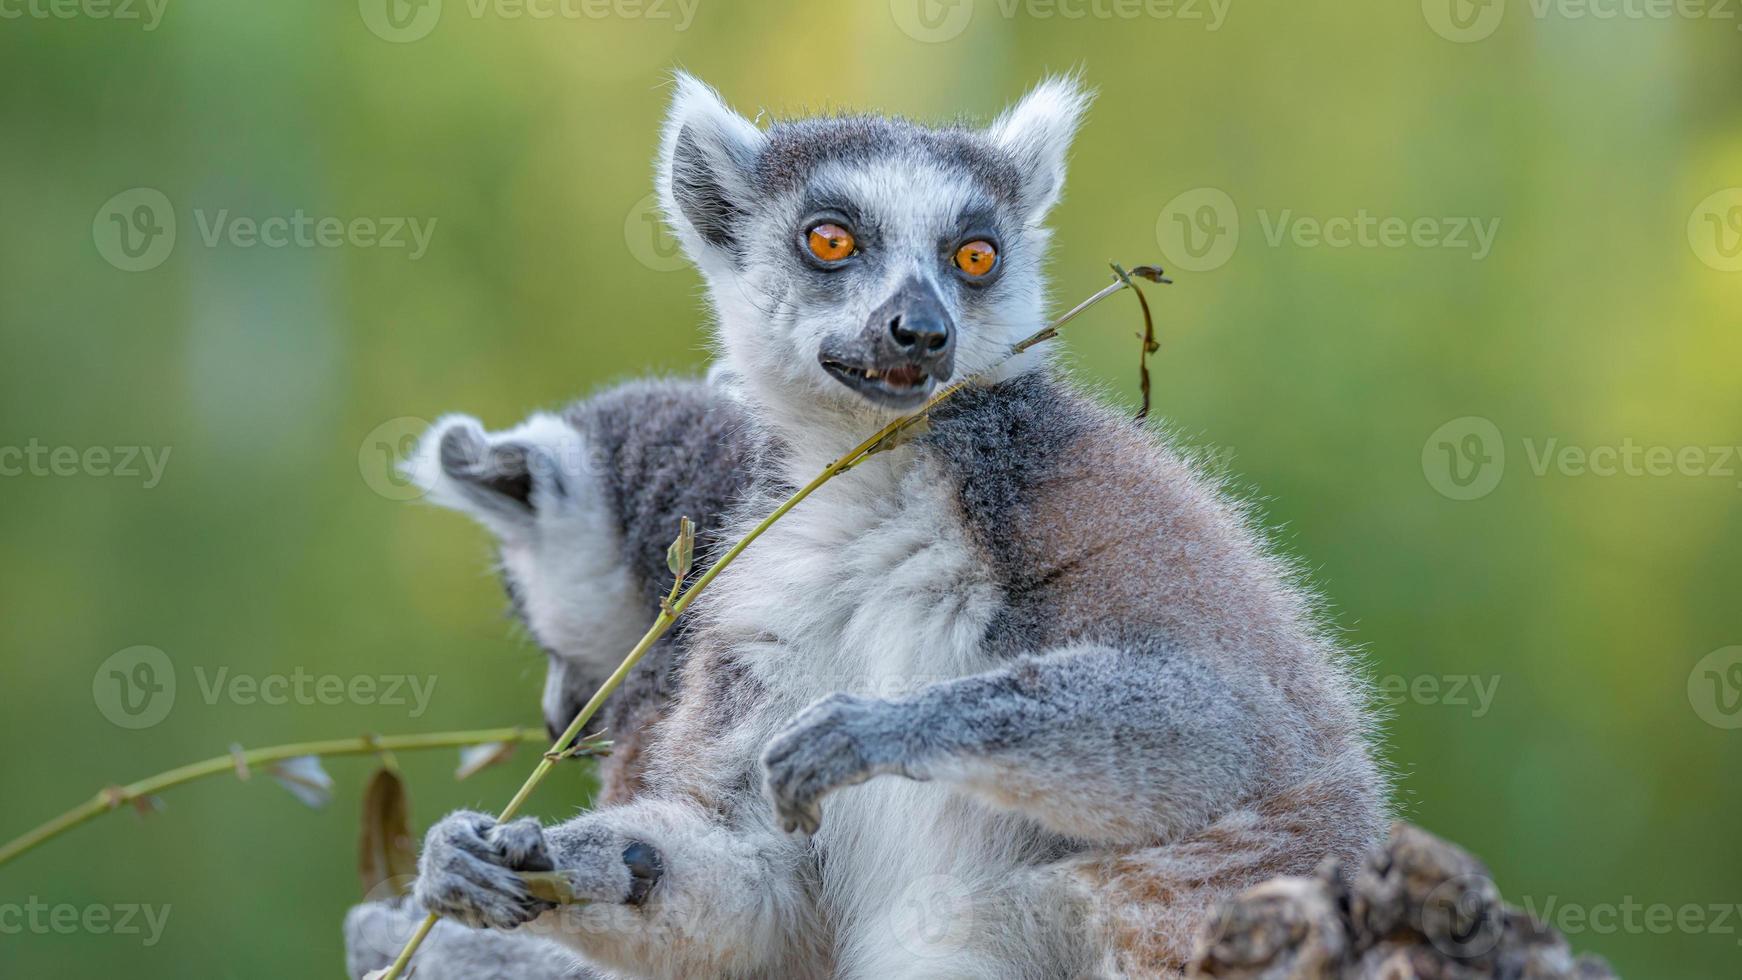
(477, 758)
(386, 850)
(241, 762)
(305, 779)
(681, 556)
(910, 430)
(1154, 273)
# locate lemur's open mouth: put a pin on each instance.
(902, 386)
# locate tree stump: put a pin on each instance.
(1418, 908)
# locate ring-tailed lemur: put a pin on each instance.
(1022, 698)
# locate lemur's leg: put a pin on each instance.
(375, 932)
(1172, 777)
(672, 892)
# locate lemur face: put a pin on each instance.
(861, 261)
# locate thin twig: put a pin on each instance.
(114, 797)
(883, 439)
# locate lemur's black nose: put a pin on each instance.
(920, 333)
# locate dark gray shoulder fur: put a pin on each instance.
(665, 450)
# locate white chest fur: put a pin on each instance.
(872, 586)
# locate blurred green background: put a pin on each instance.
(1602, 766)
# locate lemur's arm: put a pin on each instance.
(1097, 743)
(734, 903)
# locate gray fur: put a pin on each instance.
(1032, 666)
(375, 932)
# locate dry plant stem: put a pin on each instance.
(675, 605)
(115, 797)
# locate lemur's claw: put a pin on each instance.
(834, 743)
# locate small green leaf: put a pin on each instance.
(910, 430)
(681, 556)
(550, 886)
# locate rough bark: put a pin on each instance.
(1418, 908)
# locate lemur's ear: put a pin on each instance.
(1036, 133)
(501, 480)
(705, 159)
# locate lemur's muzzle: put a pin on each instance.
(908, 348)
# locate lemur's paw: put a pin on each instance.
(603, 865)
(468, 871)
(841, 740)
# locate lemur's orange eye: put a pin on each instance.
(977, 257)
(830, 242)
